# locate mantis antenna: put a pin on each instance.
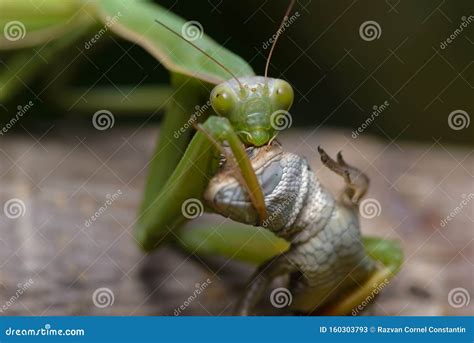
(202, 51)
(285, 18)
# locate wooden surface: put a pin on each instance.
(64, 174)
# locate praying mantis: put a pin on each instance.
(245, 108)
(236, 119)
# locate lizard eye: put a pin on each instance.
(283, 95)
(222, 101)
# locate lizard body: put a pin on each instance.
(326, 255)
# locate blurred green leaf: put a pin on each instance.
(135, 21)
(26, 24)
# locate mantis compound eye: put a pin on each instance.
(222, 101)
(283, 95)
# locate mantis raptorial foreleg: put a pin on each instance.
(221, 130)
(200, 161)
(163, 212)
(187, 94)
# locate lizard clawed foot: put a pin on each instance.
(356, 182)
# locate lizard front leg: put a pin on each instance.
(356, 182)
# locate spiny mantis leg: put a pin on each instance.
(199, 163)
(220, 129)
(172, 141)
(162, 212)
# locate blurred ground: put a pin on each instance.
(64, 174)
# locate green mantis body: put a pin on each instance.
(181, 167)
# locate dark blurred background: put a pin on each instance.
(338, 76)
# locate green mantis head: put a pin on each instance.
(254, 106)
